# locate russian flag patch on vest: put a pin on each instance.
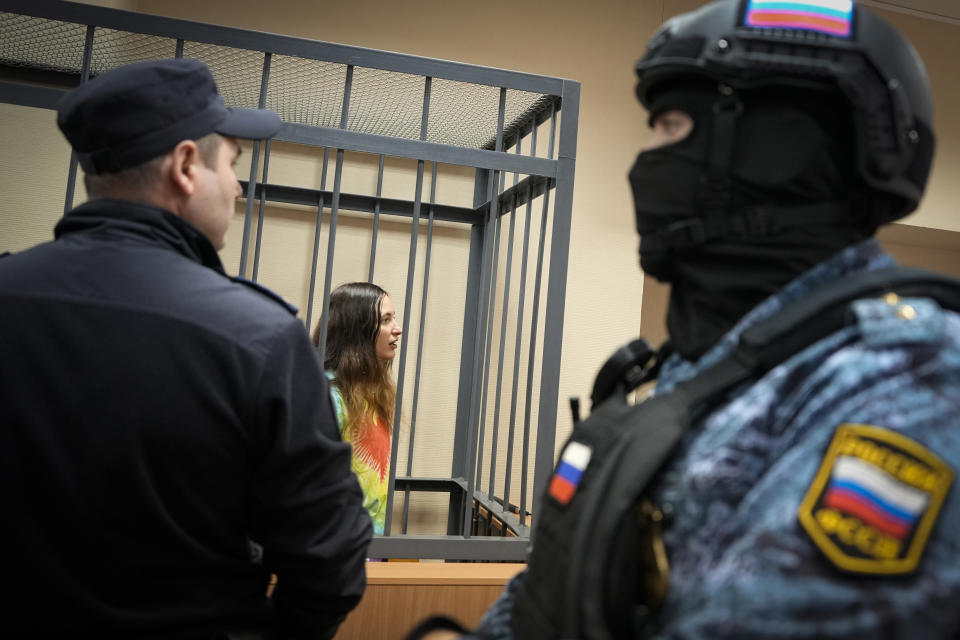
(874, 501)
(569, 471)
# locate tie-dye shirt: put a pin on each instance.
(370, 439)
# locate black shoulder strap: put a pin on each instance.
(567, 583)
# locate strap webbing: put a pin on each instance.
(752, 222)
(715, 192)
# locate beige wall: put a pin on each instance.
(939, 47)
(34, 160)
(593, 43)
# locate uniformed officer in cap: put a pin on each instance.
(167, 442)
(818, 500)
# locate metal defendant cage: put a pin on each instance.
(517, 132)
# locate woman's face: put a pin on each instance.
(389, 332)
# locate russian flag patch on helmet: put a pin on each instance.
(874, 501)
(832, 17)
(569, 471)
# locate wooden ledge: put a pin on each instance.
(441, 573)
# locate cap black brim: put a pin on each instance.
(252, 124)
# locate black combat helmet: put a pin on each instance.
(814, 44)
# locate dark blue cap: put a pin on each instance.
(140, 111)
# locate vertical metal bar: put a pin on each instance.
(477, 422)
(254, 165)
(494, 201)
(533, 138)
(525, 461)
(331, 247)
(334, 210)
(376, 219)
(503, 344)
(488, 343)
(556, 287)
(84, 76)
(516, 357)
(467, 387)
(261, 212)
(423, 323)
(407, 299)
(179, 51)
(316, 242)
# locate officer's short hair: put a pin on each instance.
(139, 179)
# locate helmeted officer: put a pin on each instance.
(816, 501)
(167, 440)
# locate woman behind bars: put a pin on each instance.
(362, 336)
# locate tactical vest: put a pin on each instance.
(595, 564)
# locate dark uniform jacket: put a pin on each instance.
(167, 442)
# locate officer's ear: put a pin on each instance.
(183, 169)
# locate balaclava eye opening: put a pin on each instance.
(762, 189)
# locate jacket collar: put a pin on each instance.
(144, 221)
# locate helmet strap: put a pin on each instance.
(750, 222)
(716, 192)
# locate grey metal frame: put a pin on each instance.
(545, 177)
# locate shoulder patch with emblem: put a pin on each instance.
(874, 500)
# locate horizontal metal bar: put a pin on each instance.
(356, 202)
(436, 485)
(415, 149)
(45, 77)
(28, 95)
(520, 127)
(539, 112)
(497, 548)
(537, 186)
(508, 518)
(283, 45)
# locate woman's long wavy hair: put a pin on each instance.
(352, 328)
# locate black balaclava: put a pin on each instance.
(761, 190)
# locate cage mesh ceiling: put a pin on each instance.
(41, 44)
(301, 90)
